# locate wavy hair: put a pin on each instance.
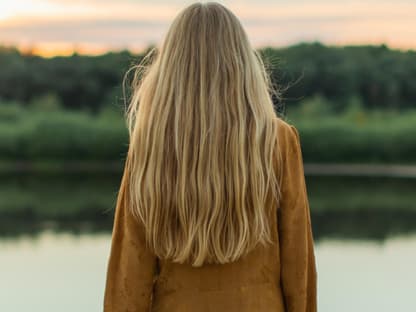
(202, 140)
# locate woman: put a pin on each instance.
(212, 212)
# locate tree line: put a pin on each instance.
(380, 77)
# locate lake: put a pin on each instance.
(55, 242)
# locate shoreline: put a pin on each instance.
(361, 170)
(116, 167)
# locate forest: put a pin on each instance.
(351, 104)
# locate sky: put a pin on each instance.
(60, 27)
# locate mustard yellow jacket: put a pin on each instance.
(277, 278)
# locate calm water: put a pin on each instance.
(61, 272)
(365, 231)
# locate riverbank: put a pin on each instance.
(311, 169)
(361, 170)
(60, 167)
(33, 138)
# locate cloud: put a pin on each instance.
(134, 24)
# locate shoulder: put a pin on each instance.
(283, 124)
(287, 134)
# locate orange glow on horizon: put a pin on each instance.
(49, 28)
(49, 51)
(64, 49)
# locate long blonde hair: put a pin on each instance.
(202, 141)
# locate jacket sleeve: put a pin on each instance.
(131, 265)
(297, 258)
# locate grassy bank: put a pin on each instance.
(56, 136)
(354, 134)
(377, 139)
(48, 139)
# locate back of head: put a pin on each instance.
(202, 141)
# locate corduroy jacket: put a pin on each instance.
(281, 277)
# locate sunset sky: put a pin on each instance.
(51, 27)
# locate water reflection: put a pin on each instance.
(55, 240)
(347, 207)
(366, 276)
(53, 272)
(63, 272)
(75, 203)
(362, 208)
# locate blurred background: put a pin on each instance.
(348, 71)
